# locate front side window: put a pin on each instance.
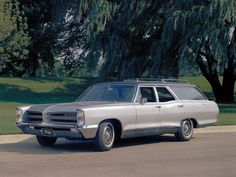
(109, 92)
(148, 93)
(187, 93)
(164, 94)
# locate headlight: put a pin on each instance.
(80, 118)
(19, 114)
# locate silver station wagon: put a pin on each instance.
(109, 111)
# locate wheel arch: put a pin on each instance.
(195, 123)
(117, 125)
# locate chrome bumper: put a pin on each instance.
(60, 131)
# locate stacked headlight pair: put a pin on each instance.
(80, 118)
(19, 116)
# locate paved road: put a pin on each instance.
(206, 155)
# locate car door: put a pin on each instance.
(148, 119)
(171, 109)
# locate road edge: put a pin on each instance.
(15, 138)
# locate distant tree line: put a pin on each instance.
(121, 39)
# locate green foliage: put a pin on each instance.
(39, 16)
(164, 38)
(122, 33)
(209, 24)
(14, 39)
(210, 43)
(135, 38)
(70, 44)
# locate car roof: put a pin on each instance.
(147, 83)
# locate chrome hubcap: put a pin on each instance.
(108, 135)
(187, 128)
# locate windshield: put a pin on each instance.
(108, 92)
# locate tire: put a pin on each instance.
(105, 137)
(46, 141)
(185, 132)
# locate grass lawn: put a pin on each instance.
(20, 91)
(25, 91)
(227, 114)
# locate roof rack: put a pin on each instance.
(161, 80)
(143, 79)
(176, 80)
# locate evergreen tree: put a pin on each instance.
(14, 39)
(39, 16)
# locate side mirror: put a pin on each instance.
(143, 100)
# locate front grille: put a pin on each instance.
(62, 118)
(35, 117)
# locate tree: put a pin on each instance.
(70, 41)
(136, 38)
(39, 16)
(150, 38)
(56, 34)
(211, 36)
(14, 39)
(126, 35)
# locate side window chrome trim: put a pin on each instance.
(136, 100)
(171, 92)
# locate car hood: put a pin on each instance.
(66, 107)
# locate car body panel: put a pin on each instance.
(125, 113)
(204, 112)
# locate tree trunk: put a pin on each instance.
(227, 94)
(223, 93)
(33, 63)
(209, 73)
(229, 75)
(216, 87)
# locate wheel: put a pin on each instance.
(185, 132)
(46, 141)
(105, 137)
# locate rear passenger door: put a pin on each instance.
(148, 114)
(171, 109)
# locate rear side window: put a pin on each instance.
(148, 93)
(164, 94)
(187, 93)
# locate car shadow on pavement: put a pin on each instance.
(144, 141)
(30, 146)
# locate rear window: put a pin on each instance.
(188, 93)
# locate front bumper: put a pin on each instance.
(60, 131)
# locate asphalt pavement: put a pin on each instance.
(205, 155)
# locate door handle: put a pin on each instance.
(157, 106)
(180, 105)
